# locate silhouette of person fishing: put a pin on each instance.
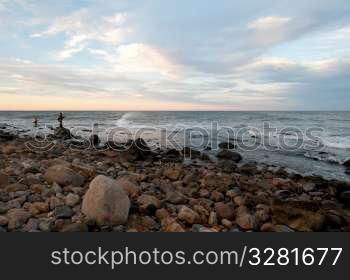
(35, 122)
(60, 119)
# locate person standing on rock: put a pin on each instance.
(60, 119)
(35, 122)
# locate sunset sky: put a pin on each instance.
(174, 55)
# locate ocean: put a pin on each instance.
(305, 142)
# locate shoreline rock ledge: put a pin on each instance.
(106, 203)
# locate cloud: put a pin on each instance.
(236, 55)
(81, 30)
(140, 58)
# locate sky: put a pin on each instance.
(174, 55)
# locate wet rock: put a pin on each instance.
(17, 218)
(106, 202)
(188, 216)
(138, 149)
(63, 176)
(227, 145)
(63, 212)
(224, 211)
(227, 154)
(347, 163)
(62, 133)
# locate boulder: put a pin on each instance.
(63, 176)
(227, 154)
(106, 202)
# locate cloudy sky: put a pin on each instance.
(174, 55)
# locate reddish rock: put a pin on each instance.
(224, 211)
(63, 176)
(148, 203)
(188, 216)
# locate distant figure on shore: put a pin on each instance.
(60, 119)
(35, 122)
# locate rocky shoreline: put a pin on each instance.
(136, 190)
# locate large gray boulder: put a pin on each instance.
(106, 202)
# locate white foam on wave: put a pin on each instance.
(125, 121)
(337, 142)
